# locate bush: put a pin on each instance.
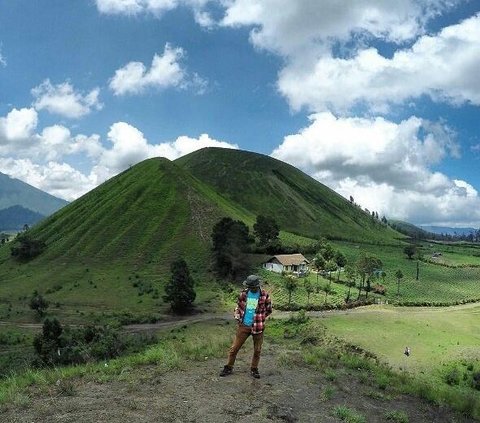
(476, 381)
(39, 303)
(25, 247)
(60, 346)
(453, 377)
(379, 289)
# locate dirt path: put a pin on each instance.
(285, 393)
(173, 321)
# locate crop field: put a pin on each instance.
(436, 284)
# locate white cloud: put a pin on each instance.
(129, 147)
(165, 71)
(3, 60)
(443, 66)
(292, 27)
(62, 99)
(17, 126)
(385, 166)
(58, 179)
(155, 7)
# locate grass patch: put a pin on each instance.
(348, 415)
(396, 416)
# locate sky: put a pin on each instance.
(377, 99)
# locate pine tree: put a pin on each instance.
(180, 291)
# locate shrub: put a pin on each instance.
(379, 289)
(26, 247)
(38, 303)
(453, 377)
(476, 381)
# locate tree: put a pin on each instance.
(399, 276)
(290, 285)
(266, 230)
(327, 251)
(231, 240)
(410, 250)
(38, 303)
(48, 343)
(341, 261)
(180, 292)
(309, 289)
(350, 275)
(318, 264)
(366, 267)
(330, 266)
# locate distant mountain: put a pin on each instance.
(14, 192)
(409, 229)
(16, 217)
(448, 230)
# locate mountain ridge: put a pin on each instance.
(14, 192)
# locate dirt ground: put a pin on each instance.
(292, 393)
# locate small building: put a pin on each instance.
(290, 263)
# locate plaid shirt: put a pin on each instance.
(264, 309)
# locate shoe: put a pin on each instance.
(227, 370)
(254, 373)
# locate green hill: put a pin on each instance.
(299, 203)
(110, 251)
(115, 244)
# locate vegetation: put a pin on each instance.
(298, 203)
(231, 240)
(39, 303)
(180, 291)
(266, 230)
(25, 247)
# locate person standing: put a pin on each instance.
(253, 307)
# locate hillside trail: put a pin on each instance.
(288, 391)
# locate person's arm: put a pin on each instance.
(236, 313)
(268, 306)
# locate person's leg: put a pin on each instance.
(257, 349)
(243, 332)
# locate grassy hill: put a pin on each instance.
(299, 203)
(111, 249)
(109, 252)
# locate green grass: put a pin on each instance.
(444, 346)
(348, 415)
(195, 342)
(305, 345)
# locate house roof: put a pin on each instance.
(290, 259)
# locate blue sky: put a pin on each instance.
(375, 99)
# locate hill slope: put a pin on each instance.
(299, 203)
(15, 192)
(109, 247)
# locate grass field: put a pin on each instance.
(440, 339)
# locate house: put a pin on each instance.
(290, 263)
